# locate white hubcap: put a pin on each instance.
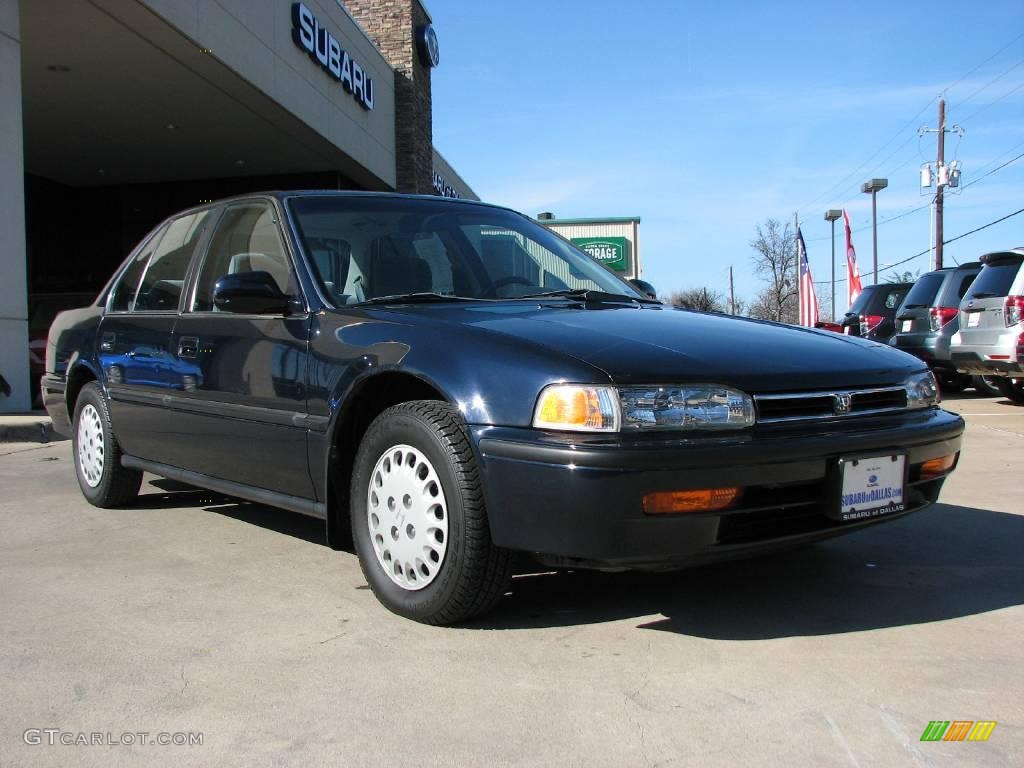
(90, 445)
(407, 516)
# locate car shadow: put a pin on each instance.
(177, 494)
(942, 563)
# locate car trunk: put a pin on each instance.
(913, 320)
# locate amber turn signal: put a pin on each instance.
(703, 500)
(939, 466)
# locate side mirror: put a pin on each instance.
(644, 287)
(249, 293)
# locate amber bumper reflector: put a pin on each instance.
(939, 466)
(703, 500)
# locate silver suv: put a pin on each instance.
(990, 341)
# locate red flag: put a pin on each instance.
(853, 286)
(808, 299)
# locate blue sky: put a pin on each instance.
(704, 119)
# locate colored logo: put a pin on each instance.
(958, 730)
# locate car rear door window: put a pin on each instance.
(122, 297)
(246, 239)
(164, 279)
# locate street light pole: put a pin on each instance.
(874, 186)
(831, 215)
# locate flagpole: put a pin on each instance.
(796, 248)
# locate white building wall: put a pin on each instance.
(13, 298)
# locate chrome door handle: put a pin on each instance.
(107, 342)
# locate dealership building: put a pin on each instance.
(117, 113)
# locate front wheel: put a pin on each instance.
(419, 524)
(1013, 389)
(104, 482)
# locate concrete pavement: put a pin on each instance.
(193, 613)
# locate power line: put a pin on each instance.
(843, 181)
(998, 168)
(977, 112)
(990, 82)
(986, 61)
(928, 250)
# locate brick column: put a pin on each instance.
(393, 25)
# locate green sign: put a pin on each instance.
(612, 252)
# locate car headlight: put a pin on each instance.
(577, 408)
(696, 406)
(922, 390)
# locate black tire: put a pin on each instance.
(1012, 389)
(473, 574)
(986, 385)
(115, 485)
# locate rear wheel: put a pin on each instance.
(419, 524)
(104, 482)
(986, 385)
(1013, 389)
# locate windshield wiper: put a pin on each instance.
(913, 306)
(587, 294)
(983, 295)
(425, 297)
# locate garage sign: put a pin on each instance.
(612, 252)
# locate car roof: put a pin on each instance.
(283, 194)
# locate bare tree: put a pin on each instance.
(902, 277)
(699, 298)
(775, 263)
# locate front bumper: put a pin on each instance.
(579, 501)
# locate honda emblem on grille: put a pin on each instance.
(841, 404)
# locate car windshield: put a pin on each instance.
(365, 248)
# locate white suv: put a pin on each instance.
(990, 341)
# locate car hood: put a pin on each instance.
(655, 344)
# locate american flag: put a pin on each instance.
(853, 286)
(808, 300)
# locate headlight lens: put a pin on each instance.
(698, 406)
(922, 390)
(577, 408)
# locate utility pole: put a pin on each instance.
(732, 294)
(940, 162)
(796, 259)
(944, 176)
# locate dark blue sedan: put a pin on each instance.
(446, 383)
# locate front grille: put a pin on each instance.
(835, 404)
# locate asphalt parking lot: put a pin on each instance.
(190, 613)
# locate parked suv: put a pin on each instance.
(873, 313)
(929, 316)
(991, 336)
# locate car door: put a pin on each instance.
(243, 417)
(134, 348)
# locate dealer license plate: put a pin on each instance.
(973, 319)
(871, 486)
(907, 325)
